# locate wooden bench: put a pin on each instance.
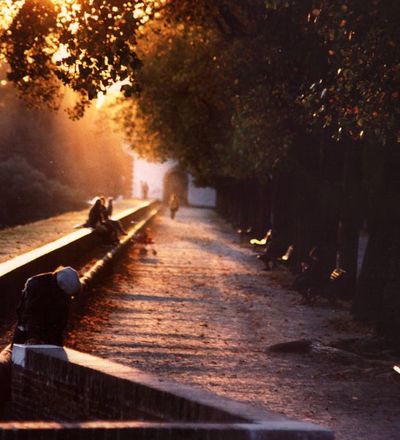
(337, 275)
(285, 258)
(263, 241)
(272, 255)
(325, 287)
(244, 232)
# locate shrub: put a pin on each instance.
(28, 195)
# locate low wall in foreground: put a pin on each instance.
(65, 251)
(84, 397)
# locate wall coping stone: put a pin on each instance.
(244, 417)
(28, 257)
(19, 352)
(268, 430)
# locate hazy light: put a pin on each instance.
(111, 93)
(100, 100)
(62, 52)
(8, 10)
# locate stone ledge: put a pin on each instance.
(27, 258)
(168, 410)
(64, 251)
(19, 352)
(157, 431)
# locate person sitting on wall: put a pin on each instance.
(107, 210)
(109, 207)
(97, 221)
(44, 305)
(95, 214)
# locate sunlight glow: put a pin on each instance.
(111, 93)
(61, 53)
(67, 14)
(8, 10)
(100, 100)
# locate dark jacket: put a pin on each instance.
(42, 311)
(96, 215)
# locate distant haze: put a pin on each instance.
(49, 163)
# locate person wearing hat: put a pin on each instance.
(43, 308)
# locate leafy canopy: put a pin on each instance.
(86, 45)
(230, 82)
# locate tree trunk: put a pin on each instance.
(377, 299)
(351, 213)
(281, 209)
(348, 254)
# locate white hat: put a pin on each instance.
(68, 280)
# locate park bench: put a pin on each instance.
(337, 275)
(244, 232)
(317, 285)
(263, 241)
(286, 257)
(336, 282)
(271, 258)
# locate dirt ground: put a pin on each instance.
(203, 312)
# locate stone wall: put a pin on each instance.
(67, 385)
(64, 251)
(76, 396)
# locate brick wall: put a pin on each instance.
(85, 395)
(67, 386)
(70, 395)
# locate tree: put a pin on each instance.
(85, 45)
(77, 158)
(30, 194)
(248, 92)
(359, 99)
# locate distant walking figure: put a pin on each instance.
(145, 189)
(43, 308)
(173, 205)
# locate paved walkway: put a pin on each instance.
(202, 312)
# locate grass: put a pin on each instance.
(24, 238)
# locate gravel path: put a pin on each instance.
(203, 312)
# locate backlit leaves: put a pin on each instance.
(87, 45)
(359, 94)
(332, 64)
